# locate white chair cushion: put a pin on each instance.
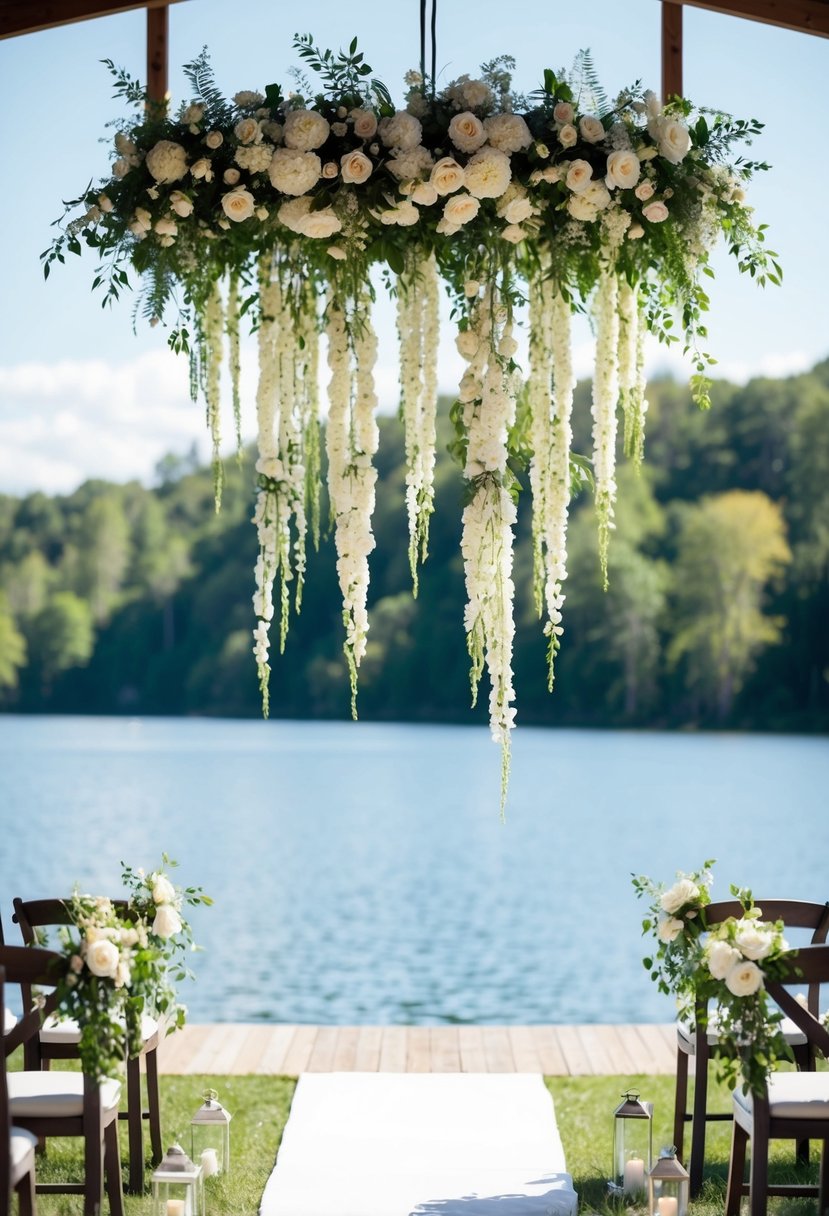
(793, 1035)
(54, 1094)
(66, 1031)
(22, 1146)
(793, 1095)
(9, 1020)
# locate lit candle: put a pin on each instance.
(175, 1207)
(634, 1179)
(209, 1162)
(667, 1206)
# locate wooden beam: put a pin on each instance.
(805, 16)
(158, 40)
(28, 16)
(671, 51)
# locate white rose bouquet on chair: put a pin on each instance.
(676, 920)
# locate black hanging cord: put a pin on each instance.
(423, 39)
(434, 43)
(433, 31)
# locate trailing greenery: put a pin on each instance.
(124, 599)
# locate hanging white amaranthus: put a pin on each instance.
(234, 356)
(417, 328)
(550, 386)
(352, 438)
(605, 399)
(632, 371)
(488, 398)
(212, 336)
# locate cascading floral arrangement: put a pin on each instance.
(278, 205)
(724, 965)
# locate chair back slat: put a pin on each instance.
(29, 966)
(807, 966)
(5, 1115)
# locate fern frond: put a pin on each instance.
(587, 87)
(200, 75)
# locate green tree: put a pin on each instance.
(27, 583)
(12, 648)
(103, 553)
(61, 636)
(730, 548)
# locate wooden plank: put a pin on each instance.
(661, 1041)
(498, 1049)
(524, 1053)
(272, 1062)
(252, 1048)
(369, 1044)
(345, 1052)
(445, 1049)
(227, 1047)
(806, 16)
(393, 1049)
(186, 1043)
(158, 41)
(595, 1049)
(213, 1049)
(671, 50)
(299, 1052)
(471, 1045)
(418, 1049)
(639, 1048)
(575, 1057)
(550, 1056)
(27, 16)
(321, 1058)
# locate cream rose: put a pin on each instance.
(305, 130)
(167, 921)
(294, 172)
(568, 136)
(514, 233)
(563, 112)
(193, 113)
(356, 167)
(460, 209)
(181, 204)
(424, 194)
(320, 224)
(330, 170)
(202, 169)
(591, 129)
(166, 227)
(635, 232)
(673, 140)
(214, 140)
(402, 131)
(467, 132)
(754, 942)
(239, 204)
(668, 929)
(163, 890)
(579, 176)
(488, 174)
(598, 195)
(102, 958)
(404, 215)
(581, 208)
(293, 213)
(623, 169)
(447, 176)
(656, 212)
(744, 978)
(231, 177)
(508, 132)
(683, 892)
(365, 123)
(167, 161)
(518, 210)
(721, 957)
(644, 191)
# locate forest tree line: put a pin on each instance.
(127, 599)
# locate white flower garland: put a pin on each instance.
(234, 356)
(605, 399)
(212, 325)
(417, 328)
(352, 438)
(488, 396)
(631, 368)
(551, 386)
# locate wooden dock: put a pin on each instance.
(232, 1049)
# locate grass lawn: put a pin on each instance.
(260, 1106)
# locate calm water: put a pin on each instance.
(361, 874)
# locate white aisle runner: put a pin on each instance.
(420, 1144)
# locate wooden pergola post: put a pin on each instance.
(158, 40)
(671, 50)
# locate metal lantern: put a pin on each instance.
(210, 1135)
(178, 1188)
(668, 1186)
(632, 1144)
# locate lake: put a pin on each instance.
(361, 873)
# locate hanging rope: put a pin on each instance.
(433, 33)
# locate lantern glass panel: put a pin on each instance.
(668, 1186)
(632, 1143)
(177, 1186)
(210, 1136)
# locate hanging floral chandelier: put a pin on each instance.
(276, 207)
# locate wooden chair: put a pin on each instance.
(813, 919)
(794, 1106)
(17, 1162)
(59, 1041)
(62, 1103)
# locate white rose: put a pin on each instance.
(365, 123)
(467, 132)
(356, 167)
(239, 204)
(320, 224)
(292, 213)
(655, 212)
(124, 146)
(568, 136)
(167, 921)
(293, 172)
(166, 227)
(518, 210)
(273, 130)
(623, 169)
(214, 139)
(404, 215)
(721, 957)
(488, 174)
(669, 928)
(424, 194)
(123, 975)
(231, 177)
(581, 208)
(447, 176)
(755, 943)
(202, 168)
(635, 232)
(193, 113)
(401, 131)
(167, 161)
(247, 97)
(508, 132)
(181, 204)
(673, 140)
(121, 167)
(163, 890)
(644, 191)
(460, 209)
(514, 233)
(597, 195)
(102, 958)
(684, 891)
(744, 979)
(476, 93)
(563, 112)
(330, 170)
(339, 129)
(305, 130)
(591, 129)
(579, 176)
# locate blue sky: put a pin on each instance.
(81, 394)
